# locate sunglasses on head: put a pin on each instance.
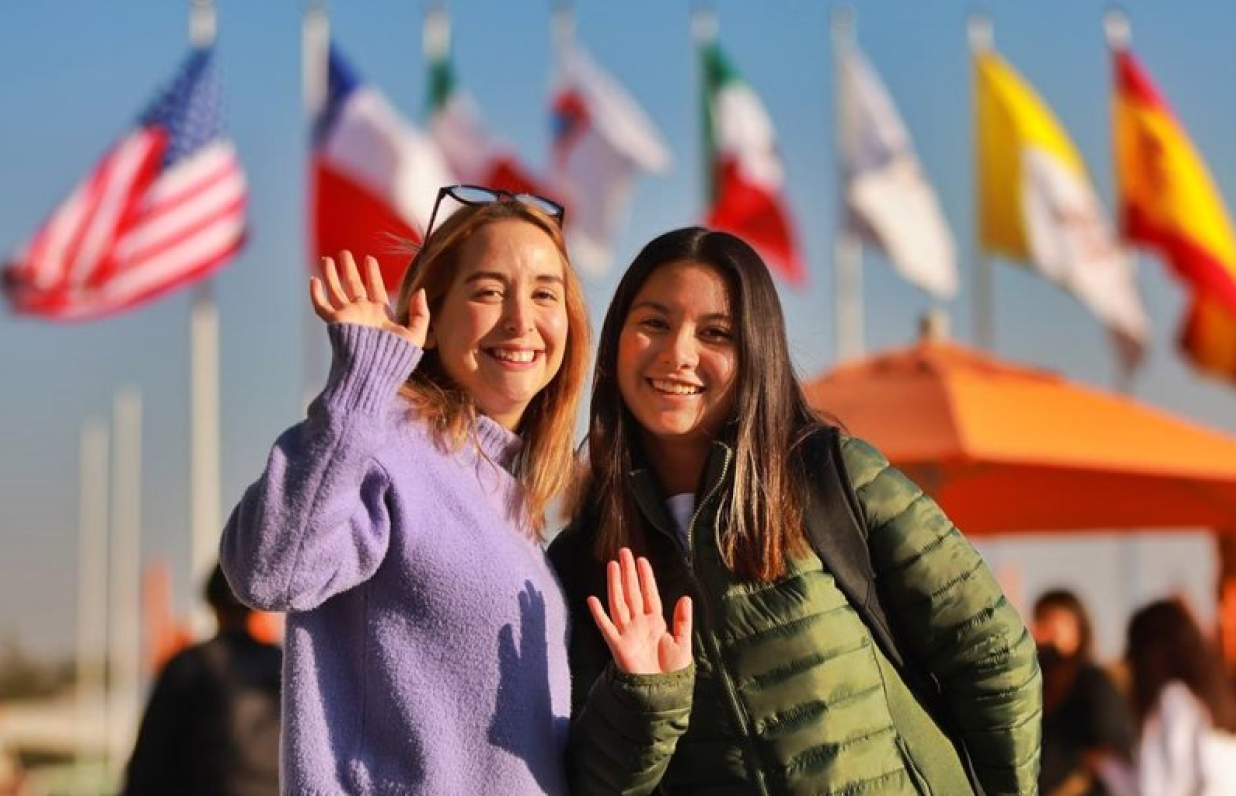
(480, 195)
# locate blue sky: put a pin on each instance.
(77, 73)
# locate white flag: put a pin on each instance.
(602, 140)
(889, 200)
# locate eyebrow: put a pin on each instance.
(663, 309)
(477, 276)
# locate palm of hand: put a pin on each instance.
(367, 312)
(648, 647)
(634, 628)
(363, 301)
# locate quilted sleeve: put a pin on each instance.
(948, 610)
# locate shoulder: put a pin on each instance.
(863, 461)
(1177, 702)
(1094, 683)
(1092, 675)
(875, 480)
(408, 437)
(188, 668)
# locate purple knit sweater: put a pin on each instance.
(426, 633)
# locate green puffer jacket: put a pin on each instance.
(788, 693)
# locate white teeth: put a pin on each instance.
(513, 356)
(675, 387)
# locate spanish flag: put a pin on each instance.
(1169, 204)
(1037, 206)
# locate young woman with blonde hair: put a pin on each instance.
(399, 524)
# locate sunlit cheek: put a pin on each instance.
(555, 328)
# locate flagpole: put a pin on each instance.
(436, 52)
(704, 27)
(562, 27)
(847, 249)
(204, 499)
(124, 699)
(315, 79)
(1118, 33)
(91, 598)
(980, 35)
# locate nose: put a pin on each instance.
(517, 314)
(681, 351)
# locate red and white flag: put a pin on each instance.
(602, 141)
(375, 176)
(747, 176)
(163, 208)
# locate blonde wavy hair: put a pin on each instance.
(545, 460)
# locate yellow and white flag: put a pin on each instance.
(1037, 206)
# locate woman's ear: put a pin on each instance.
(430, 340)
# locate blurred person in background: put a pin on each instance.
(212, 725)
(1185, 704)
(1087, 724)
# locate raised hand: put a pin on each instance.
(635, 628)
(348, 298)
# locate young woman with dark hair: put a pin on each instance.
(754, 675)
(1184, 702)
(1088, 729)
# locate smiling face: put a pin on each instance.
(677, 356)
(501, 328)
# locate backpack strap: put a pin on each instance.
(838, 532)
(837, 529)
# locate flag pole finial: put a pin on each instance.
(980, 32)
(436, 39)
(844, 21)
(1116, 27)
(203, 23)
(315, 57)
(704, 24)
(562, 19)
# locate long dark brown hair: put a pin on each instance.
(762, 515)
(1165, 644)
(545, 460)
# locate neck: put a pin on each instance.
(678, 465)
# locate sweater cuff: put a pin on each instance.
(367, 367)
(654, 693)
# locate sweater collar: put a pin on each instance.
(497, 443)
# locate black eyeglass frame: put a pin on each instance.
(490, 195)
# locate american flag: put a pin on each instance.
(163, 208)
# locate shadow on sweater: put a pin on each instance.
(524, 711)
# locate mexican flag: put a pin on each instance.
(743, 168)
(474, 155)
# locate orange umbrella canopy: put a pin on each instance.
(1009, 448)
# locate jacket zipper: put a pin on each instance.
(714, 647)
